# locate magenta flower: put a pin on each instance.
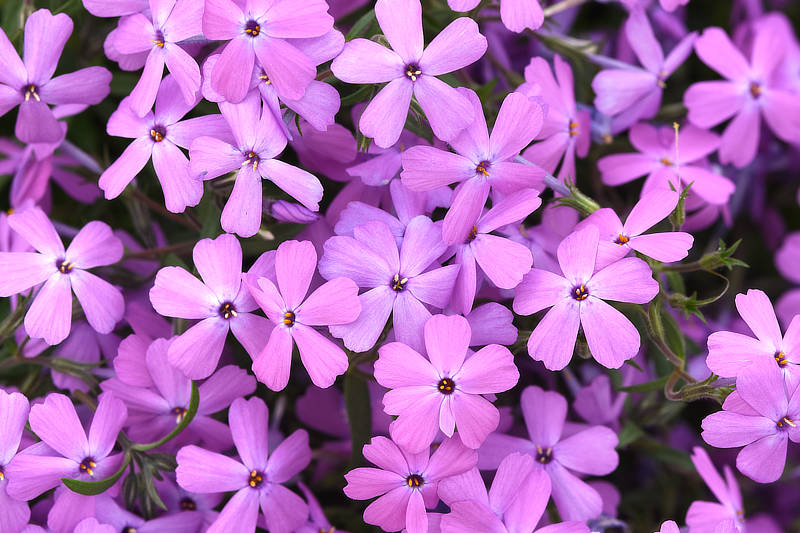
(410, 70)
(703, 516)
(730, 353)
(258, 140)
(65, 450)
(258, 476)
(295, 316)
(159, 135)
(258, 30)
(14, 514)
(566, 131)
(399, 283)
(482, 163)
(62, 272)
(588, 451)
(664, 164)
(633, 93)
(115, 8)
(31, 86)
(618, 239)
(443, 391)
(515, 14)
(220, 302)
(578, 299)
(405, 483)
(748, 92)
(172, 21)
(760, 415)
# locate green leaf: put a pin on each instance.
(185, 421)
(629, 433)
(673, 335)
(208, 214)
(650, 386)
(361, 25)
(359, 415)
(93, 488)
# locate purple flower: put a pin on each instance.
(405, 483)
(295, 316)
(109, 512)
(65, 451)
(704, 517)
(482, 163)
(633, 93)
(730, 353)
(158, 135)
(172, 21)
(257, 477)
(14, 514)
(411, 71)
(566, 131)
(221, 302)
(761, 416)
(589, 451)
(258, 140)
(669, 527)
(91, 525)
(115, 8)
(515, 14)
(62, 272)
(618, 239)
(399, 282)
(443, 391)
(578, 299)
(259, 30)
(31, 84)
(747, 92)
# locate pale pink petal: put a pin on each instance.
(323, 359)
(458, 45)
(740, 139)
(181, 190)
(622, 168)
(627, 280)
(335, 302)
(249, 423)
(712, 102)
(178, 294)
(298, 183)
(729, 353)
(365, 61)
(205, 472)
(448, 111)
(389, 511)
(219, 263)
(400, 366)
(465, 209)
(475, 418)
(553, 339)
(221, 19)
(490, 370)
(577, 254)
(446, 340)
(57, 424)
(756, 310)
(666, 247)
(384, 117)
(409, 316)
(718, 52)
(290, 457)
(520, 14)
(416, 517)
(295, 264)
(426, 168)
(574, 498)
(231, 74)
(435, 286)
(35, 227)
(184, 69)
(144, 93)
(284, 511)
(289, 69)
(764, 460)
(416, 427)
(102, 303)
(726, 429)
(366, 483)
(508, 272)
(117, 176)
(210, 158)
(197, 351)
(94, 245)
(23, 270)
(272, 365)
(385, 454)
(591, 451)
(361, 334)
(50, 314)
(242, 212)
(239, 514)
(401, 23)
(45, 37)
(643, 41)
(612, 338)
(652, 208)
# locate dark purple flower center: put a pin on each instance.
(780, 358)
(252, 28)
(265, 78)
(87, 466)
(580, 292)
(472, 234)
(31, 91)
(543, 455)
(413, 71)
(446, 386)
(251, 158)
(786, 423)
(187, 504)
(256, 479)
(483, 168)
(179, 413)
(756, 89)
(415, 481)
(158, 39)
(64, 266)
(227, 311)
(398, 283)
(128, 529)
(622, 239)
(158, 133)
(288, 319)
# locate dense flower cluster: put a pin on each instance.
(497, 329)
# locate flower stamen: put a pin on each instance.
(288, 319)
(446, 386)
(87, 466)
(622, 239)
(252, 28)
(412, 71)
(414, 481)
(256, 478)
(64, 266)
(580, 292)
(31, 91)
(780, 358)
(227, 311)
(398, 284)
(543, 456)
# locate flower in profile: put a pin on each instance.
(258, 141)
(566, 130)
(172, 21)
(577, 298)
(760, 416)
(62, 272)
(587, 451)
(400, 282)
(257, 477)
(31, 85)
(516, 15)
(220, 302)
(14, 514)
(65, 451)
(482, 162)
(618, 239)
(704, 516)
(405, 483)
(410, 70)
(257, 33)
(445, 390)
(748, 92)
(669, 527)
(295, 315)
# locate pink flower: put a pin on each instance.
(445, 390)
(515, 14)
(578, 299)
(14, 408)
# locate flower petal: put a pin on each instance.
(102, 303)
(458, 45)
(323, 359)
(50, 315)
(553, 339)
(611, 337)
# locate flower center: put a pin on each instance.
(251, 158)
(227, 311)
(412, 71)
(415, 481)
(483, 168)
(2, 474)
(252, 28)
(158, 39)
(573, 128)
(87, 466)
(158, 133)
(666, 161)
(446, 386)
(31, 91)
(64, 266)
(288, 319)
(780, 358)
(398, 283)
(756, 89)
(263, 77)
(622, 239)
(785, 423)
(256, 479)
(179, 413)
(473, 233)
(187, 504)
(128, 529)
(580, 292)
(543, 456)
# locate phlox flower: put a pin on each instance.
(516, 15)
(91, 525)
(14, 513)
(115, 8)
(410, 70)
(62, 272)
(108, 511)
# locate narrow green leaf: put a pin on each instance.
(673, 335)
(629, 433)
(650, 386)
(93, 488)
(361, 25)
(187, 419)
(359, 415)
